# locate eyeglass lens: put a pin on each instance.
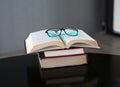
(54, 32)
(71, 32)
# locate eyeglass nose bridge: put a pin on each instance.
(62, 29)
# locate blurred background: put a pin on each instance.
(18, 18)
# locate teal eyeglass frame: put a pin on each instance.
(75, 31)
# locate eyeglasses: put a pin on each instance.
(58, 32)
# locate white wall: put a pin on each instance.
(116, 16)
(20, 17)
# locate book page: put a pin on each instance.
(28, 44)
(83, 39)
(40, 37)
(40, 40)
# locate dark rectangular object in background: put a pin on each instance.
(112, 17)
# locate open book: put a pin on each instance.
(40, 41)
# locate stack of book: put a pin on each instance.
(59, 51)
(62, 58)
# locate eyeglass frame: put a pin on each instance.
(61, 31)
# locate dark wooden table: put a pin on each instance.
(109, 44)
(102, 70)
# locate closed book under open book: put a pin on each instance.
(64, 52)
(40, 41)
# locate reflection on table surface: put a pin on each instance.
(24, 71)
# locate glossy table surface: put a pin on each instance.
(103, 70)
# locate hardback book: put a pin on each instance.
(64, 52)
(40, 41)
(61, 61)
